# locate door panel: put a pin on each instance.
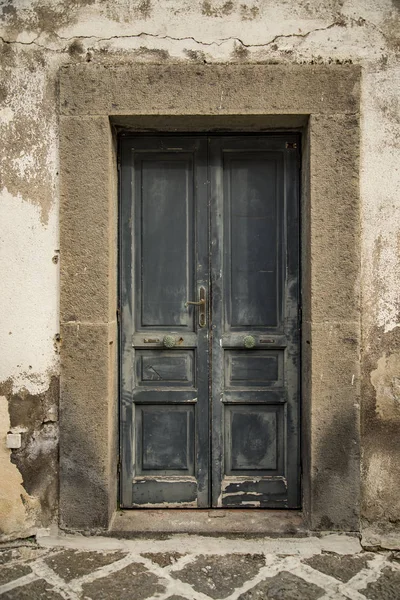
(165, 440)
(251, 239)
(257, 368)
(165, 412)
(255, 328)
(210, 405)
(175, 368)
(164, 225)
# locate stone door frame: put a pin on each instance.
(322, 102)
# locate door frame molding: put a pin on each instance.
(320, 101)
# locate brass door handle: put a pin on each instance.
(199, 303)
(202, 304)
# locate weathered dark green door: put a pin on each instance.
(210, 321)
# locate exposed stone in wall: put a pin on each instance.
(16, 506)
(31, 471)
(37, 37)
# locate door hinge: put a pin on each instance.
(300, 314)
(291, 145)
(118, 315)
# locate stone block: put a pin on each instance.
(334, 398)
(86, 411)
(88, 221)
(334, 254)
(90, 89)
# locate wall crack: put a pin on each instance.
(142, 34)
(200, 42)
(336, 23)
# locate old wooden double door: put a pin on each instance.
(210, 321)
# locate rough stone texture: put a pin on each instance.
(13, 572)
(71, 563)
(87, 221)
(284, 586)
(333, 302)
(6, 556)
(335, 459)
(260, 568)
(20, 553)
(341, 567)
(29, 490)
(14, 517)
(334, 218)
(37, 459)
(218, 576)
(255, 523)
(116, 89)
(87, 390)
(132, 583)
(163, 559)
(38, 590)
(395, 556)
(88, 448)
(387, 586)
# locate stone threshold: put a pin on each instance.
(214, 522)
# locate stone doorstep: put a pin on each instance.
(216, 522)
(340, 544)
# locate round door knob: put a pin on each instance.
(249, 341)
(169, 341)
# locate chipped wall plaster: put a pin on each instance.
(38, 36)
(380, 184)
(386, 381)
(16, 519)
(29, 315)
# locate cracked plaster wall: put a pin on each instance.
(37, 37)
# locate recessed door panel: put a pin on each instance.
(165, 439)
(251, 241)
(210, 327)
(174, 368)
(165, 227)
(253, 440)
(263, 368)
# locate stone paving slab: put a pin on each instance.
(71, 564)
(219, 576)
(163, 559)
(38, 589)
(343, 568)
(386, 586)
(198, 568)
(134, 581)
(9, 573)
(285, 586)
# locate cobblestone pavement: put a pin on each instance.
(198, 568)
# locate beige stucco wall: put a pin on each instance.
(38, 37)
